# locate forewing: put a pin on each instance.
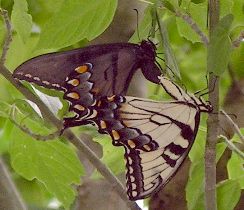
(108, 61)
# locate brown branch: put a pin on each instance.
(9, 195)
(38, 137)
(48, 115)
(238, 40)
(212, 123)
(8, 39)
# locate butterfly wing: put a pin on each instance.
(111, 60)
(173, 126)
(157, 137)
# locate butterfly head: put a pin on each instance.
(149, 48)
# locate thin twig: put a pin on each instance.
(8, 39)
(193, 26)
(234, 125)
(232, 147)
(238, 40)
(92, 157)
(212, 123)
(38, 137)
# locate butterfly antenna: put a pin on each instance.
(137, 24)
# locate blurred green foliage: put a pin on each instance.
(51, 168)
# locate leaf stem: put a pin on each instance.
(235, 126)
(238, 40)
(232, 147)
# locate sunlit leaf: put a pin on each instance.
(53, 163)
(22, 21)
(219, 48)
(228, 194)
(76, 20)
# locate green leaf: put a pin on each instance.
(235, 169)
(168, 5)
(197, 1)
(5, 136)
(228, 194)
(198, 13)
(238, 11)
(226, 7)
(195, 187)
(22, 21)
(53, 163)
(144, 27)
(219, 48)
(113, 160)
(170, 58)
(77, 20)
(33, 192)
(195, 184)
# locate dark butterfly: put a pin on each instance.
(157, 136)
(89, 73)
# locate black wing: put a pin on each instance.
(115, 63)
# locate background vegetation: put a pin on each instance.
(47, 172)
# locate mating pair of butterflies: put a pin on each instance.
(157, 136)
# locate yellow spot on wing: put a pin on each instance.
(103, 124)
(73, 95)
(111, 98)
(146, 147)
(79, 107)
(74, 82)
(131, 143)
(115, 135)
(99, 103)
(81, 69)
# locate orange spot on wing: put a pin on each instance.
(115, 134)
(79, 107)
(99, 103)
(81, 69)
(103, 124)
(111, 98)
(131, 143)
(73, 95)
(146, 147)
(74, 82)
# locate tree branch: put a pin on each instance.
(9, 196)
(238, 40)
(212, 123)
(8, 39)
(48, 115)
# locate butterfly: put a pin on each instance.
(86, 74)
(156, 135)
